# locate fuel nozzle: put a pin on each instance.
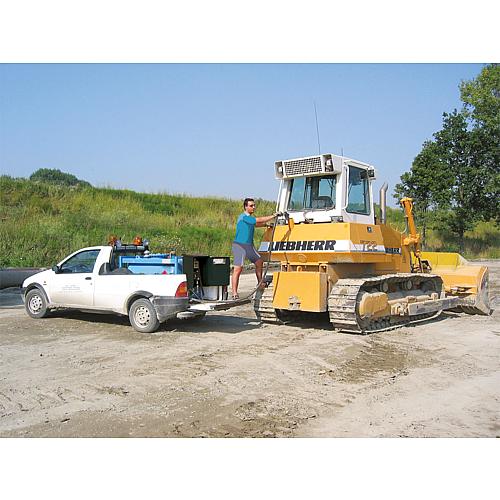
(289, 220)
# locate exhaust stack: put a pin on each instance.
(383, 204)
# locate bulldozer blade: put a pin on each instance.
(470, 282)
(479, 303)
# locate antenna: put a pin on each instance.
(317, 128)
(341, 151)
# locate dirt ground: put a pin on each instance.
(88, 375)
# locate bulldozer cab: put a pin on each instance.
(326, 188)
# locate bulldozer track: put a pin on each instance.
(263, 306)
(343, 303)
(345, 295)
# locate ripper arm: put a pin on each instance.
(412, 240)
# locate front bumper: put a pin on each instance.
(168, 307)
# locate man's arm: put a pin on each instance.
(261, 221)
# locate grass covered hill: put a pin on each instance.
(41, 222)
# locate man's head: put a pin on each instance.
(249, 205)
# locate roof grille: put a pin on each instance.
(303, 166)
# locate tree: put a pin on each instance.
(467, 178)
(481, 98)
(459, 170)
(55, 176)
(427, 183)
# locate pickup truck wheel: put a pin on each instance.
(143, 317)
(35, 304)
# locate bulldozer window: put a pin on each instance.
(312, 193)
(358, 194)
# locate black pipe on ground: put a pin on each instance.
(14, 276)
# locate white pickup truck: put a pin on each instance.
(89, 280)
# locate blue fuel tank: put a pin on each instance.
(154, 263)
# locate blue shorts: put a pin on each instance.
(240, 251)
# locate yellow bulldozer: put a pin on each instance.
(338, 257)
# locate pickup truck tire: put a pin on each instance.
(36, 304)
(142, 315)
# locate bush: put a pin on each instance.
(55, 176)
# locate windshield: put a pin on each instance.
(312, 193)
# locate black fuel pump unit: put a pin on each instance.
(207, 276)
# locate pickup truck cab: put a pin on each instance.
(90, 280)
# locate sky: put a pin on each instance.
(217, 129)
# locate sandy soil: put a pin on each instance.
(78, 375)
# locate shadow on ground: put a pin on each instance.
(210, 323)
(10, 297)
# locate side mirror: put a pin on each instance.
(55, 269)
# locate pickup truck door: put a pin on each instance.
(73, 285)
(110, 291)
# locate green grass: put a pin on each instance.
(40, 223)
(483, 242)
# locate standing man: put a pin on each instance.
(243, 243)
